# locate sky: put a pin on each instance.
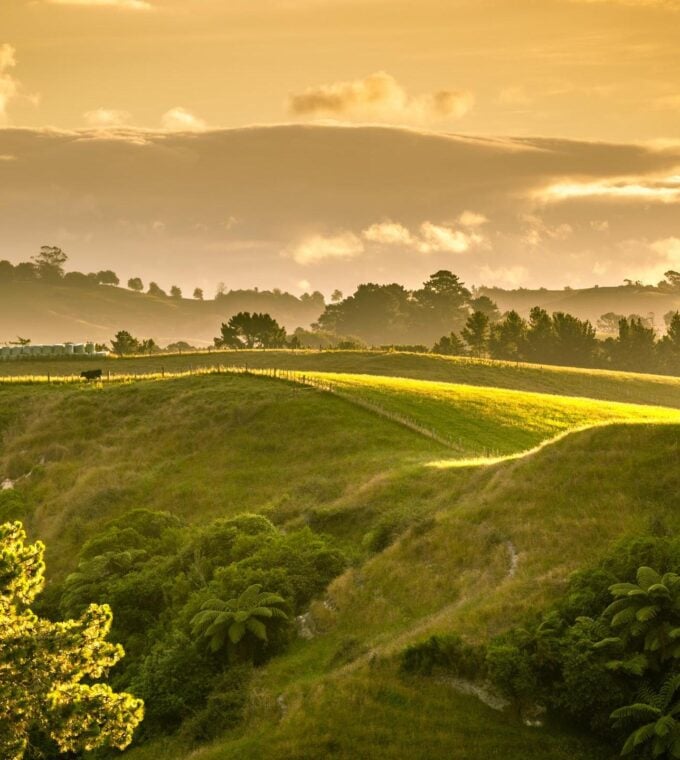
(315, 144)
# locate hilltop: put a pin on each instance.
(590, 303)
(55, 313)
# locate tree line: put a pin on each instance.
(563, 339)
(48, 266)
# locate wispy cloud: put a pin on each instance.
(106, 117)
(178, 119)
(131, 5)
(380, 98)
(661, 191)
(430, 237)
(317, 248)
(9, 86)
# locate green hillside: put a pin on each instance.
(607, 385)
(433, 547)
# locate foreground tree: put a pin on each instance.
(246, 330)
(44, 664)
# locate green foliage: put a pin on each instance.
(644, 622)
(232, 622)
(123, 343)
(446, 652)
(177, 589)
(48, 669)
(656, 715)
(246, 330)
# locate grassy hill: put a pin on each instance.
(49, 313)
(568, 381)
(345, 464)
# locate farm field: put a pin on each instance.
(431, 544)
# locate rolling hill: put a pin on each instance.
(56, 313)
(470, 549)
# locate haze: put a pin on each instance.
(316, 144)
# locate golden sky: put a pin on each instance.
(606, 69)
(176, 81)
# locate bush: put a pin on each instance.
(446, 653)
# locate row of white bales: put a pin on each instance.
(50, 349)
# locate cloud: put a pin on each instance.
(430, 238)
(665, 190)
(472, 219)
(178, 119)
(9, 86)
(132, 5)
(380, 98)
(669, 249)
(377, 201)
(106, 117)
(438, 237)
(318, 248)
(388, 233)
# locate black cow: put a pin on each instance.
(91, 374)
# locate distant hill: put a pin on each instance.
(590, 303)
(55, 313)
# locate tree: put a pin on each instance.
(449, 345)
(575, 341)
(155, 290)
(148, 346)
(25, 271)
(540, 336)
(508, 338)
(107, 277)
(229, 622)
(44, 664)
(669, 345)
(657, 712)
(635, 346)
(198, 294)
(336, 296)
(375, 313)
(136, 284)
(443, 302)
(486, 306)
(673, 279)
(246, 330)
(644, 621)
(221, 290)
(123, 343)
(609, 323)
(50, 262)
(175, 292)
(476, 333)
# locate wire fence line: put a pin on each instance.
(298, 377)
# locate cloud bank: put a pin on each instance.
(334, 206)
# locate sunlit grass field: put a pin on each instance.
(345, 463)
(630, 387)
